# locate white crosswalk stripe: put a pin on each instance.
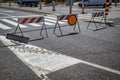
(49, 21)
(15, 19)
(85, 16)
(13, 23)
(2, 26)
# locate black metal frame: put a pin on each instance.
(58, 25)
(92, 20)
(12, 35)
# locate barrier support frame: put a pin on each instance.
(15, 37)
(18, 27)
(93, 20)
(43, 25)
(23, 39)
(58, 25)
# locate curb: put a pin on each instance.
(25, 10)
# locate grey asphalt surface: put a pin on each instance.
(82, 72)
(100, 47)
(12, 68)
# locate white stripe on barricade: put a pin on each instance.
(71, 19)
(96, 14)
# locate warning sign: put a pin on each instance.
(72, 19)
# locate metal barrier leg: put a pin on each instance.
(55, 27)
(60, 29)
(43, 29)
(105, 21)
(16, 29)
(74, 27)
(89, 23)
(19, 29)
(78, 26)
(46, 31)
(95, 25)
(17, 37)
(101, 21)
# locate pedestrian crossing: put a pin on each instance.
(12, 22)
(2, 26)
(49, 21)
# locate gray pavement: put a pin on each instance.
(12, 68)
(99, 47)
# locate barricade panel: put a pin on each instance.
(62, 17)
(71, 19)
(30, 20)
(27, 20)
(96, 14)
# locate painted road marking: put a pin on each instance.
(4, 27)
(101, 67)
(54, 21)
(15, 19)
(49, 61)
(6, 11)
(13, 23)
(48, 21)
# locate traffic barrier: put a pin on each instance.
(107, 4)
(107, 8)
(71, 20)
(30, 20)
(96, 14)
(23, 21)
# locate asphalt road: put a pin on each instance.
(12, 68)
(98, 50)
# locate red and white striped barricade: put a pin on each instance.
(71, 19)
(94, 15)
(27, 20)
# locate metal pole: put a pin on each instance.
(9, 2)
(70, 2)
(115, 3)
(53, 4)
(20, 3)
(40, 5)
(0, 2)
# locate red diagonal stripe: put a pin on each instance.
(39, 19)
(62, 17)
(32, 20)
(68, 16)
(24, 21)
(95, 14)
(102, 13)
(98, 14)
